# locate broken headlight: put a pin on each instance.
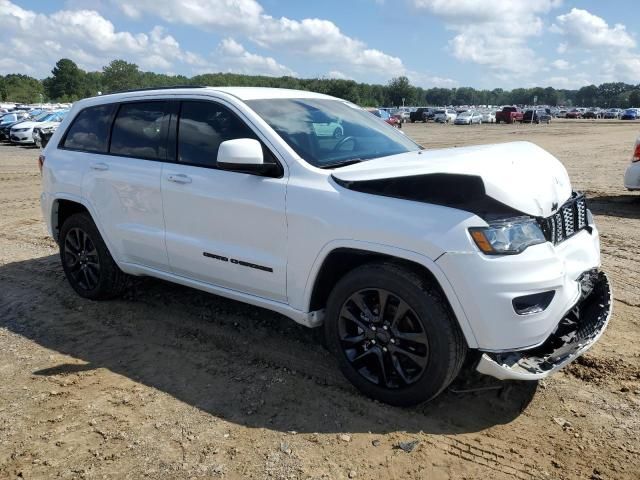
(508, 236)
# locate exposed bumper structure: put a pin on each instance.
(632, 176)
(578, 330)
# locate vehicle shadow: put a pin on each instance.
(236, 362)
(623, 206)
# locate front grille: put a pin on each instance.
(567, 221)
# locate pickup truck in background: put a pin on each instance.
(509, 115)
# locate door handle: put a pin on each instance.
(99, 166)
(179, 178)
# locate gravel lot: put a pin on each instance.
(173, 383)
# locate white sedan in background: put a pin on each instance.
(22, 133)
(488, 117)
(632, 175)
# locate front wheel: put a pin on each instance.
(393, 334)
(87, 263)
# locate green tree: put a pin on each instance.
(400, 88)
(66, 81)
(22, 89)
(121, 75)
(634, 98)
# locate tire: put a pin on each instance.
(439, 349)
(337, 133)
(79, 234)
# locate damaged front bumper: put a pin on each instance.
(578, 330)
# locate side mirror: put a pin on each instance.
(240, 153)
(245, 155)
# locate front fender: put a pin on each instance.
(399, 253)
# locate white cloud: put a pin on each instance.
(310, 36)
(560, 64)
(586, 30)
(427, 81)
(92, 41)
(338, 75)
(612, 49)
(84, 36)
(493, 33)
(233, 56)
(242, 14)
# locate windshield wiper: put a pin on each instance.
(343, 163)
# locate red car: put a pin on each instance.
(575, 113)
(509, 115)
(383, 114)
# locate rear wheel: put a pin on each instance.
(87, 263)
(393, 334)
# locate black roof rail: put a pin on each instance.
(145, 89)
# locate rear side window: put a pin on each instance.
(140, 130)
(203, 126)
(90, 129)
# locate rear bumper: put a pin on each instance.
(578, 330)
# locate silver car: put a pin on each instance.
(468, 118)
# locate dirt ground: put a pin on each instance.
(173, 383)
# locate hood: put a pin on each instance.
(46, 124)
(26, 124)
(518, 175)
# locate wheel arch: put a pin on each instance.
(338, 259)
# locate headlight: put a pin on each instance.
(508, 236)
(47, 129)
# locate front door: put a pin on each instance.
(222, 227)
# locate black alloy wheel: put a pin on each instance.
(81, 259)
(383, 339)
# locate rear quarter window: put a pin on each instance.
(89, 131)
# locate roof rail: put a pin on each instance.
(169, 87)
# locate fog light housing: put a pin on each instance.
(535, 303)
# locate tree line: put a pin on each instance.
(68, 83)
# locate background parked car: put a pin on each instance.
(22, 132)
(593, 113)
(632, 174)
(488, 117)
(429, 114)
(445, 115)
(509, 115)
(401, 114)
(43, 132)
(417, 115)
(612, 113)
(383, 114)
(9, 121)
(536, 116)
(562, 113)
(330, 129)
(575, 113)
(468, 118)
(630, 114)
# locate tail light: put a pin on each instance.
(636, 153)
(40, 163)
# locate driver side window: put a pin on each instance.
(202, 127)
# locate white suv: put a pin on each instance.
(413, 259)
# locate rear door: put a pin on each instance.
(223, 227)
(123, 184)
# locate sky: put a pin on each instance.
(435, 43)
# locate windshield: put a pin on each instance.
(301, 123)
(41, 116)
